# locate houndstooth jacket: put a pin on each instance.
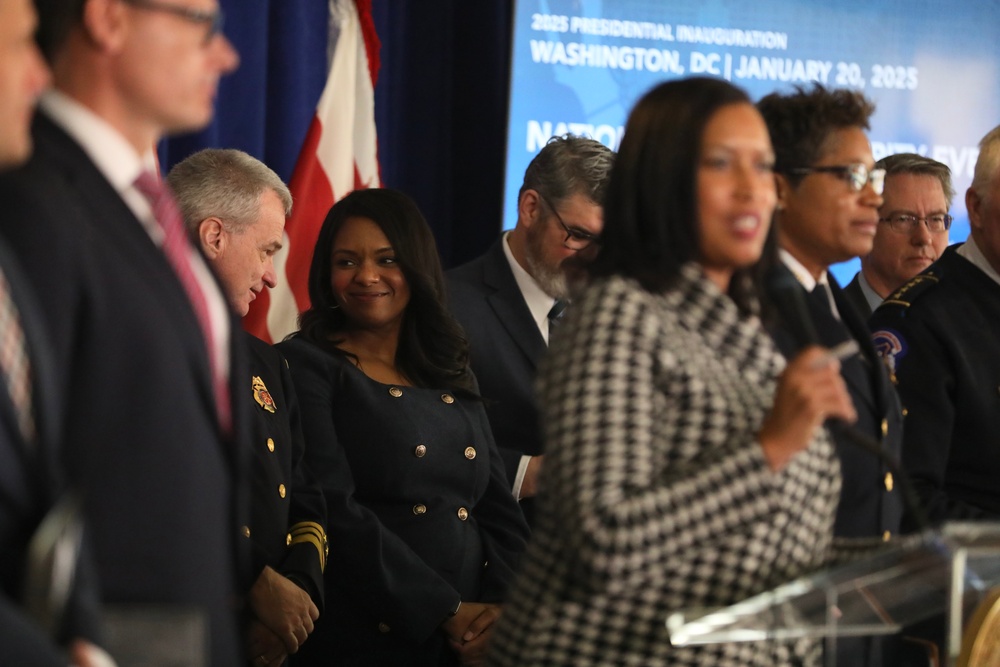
(656, 496)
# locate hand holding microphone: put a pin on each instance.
(809, 392)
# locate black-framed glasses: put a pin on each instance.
(905, 223)
(212, 19)
(576, 239)
(856, 175)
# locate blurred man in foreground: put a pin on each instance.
(31, 481)
(141, 331)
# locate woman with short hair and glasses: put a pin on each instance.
(687, 467)
(829, 193)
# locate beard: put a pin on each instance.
(550, 278)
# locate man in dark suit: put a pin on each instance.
(506, 298)
(912, 231)
(31, 622)
(140, 328)
(234, 208)
(828, 197)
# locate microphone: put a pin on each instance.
(786, 295)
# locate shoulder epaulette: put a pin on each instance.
(911, 290)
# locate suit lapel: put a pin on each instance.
(127, 240)
(869, 384)
(509, 306)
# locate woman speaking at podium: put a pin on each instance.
(687, 466)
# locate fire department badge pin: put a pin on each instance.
(262, 395)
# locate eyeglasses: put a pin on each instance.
(856, 175)
(904, 223)
(576, 239)
(212, 19)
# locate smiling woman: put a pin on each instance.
(424, 532)
(686, 466)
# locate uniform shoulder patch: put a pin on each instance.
(891, 346)
(911, 290)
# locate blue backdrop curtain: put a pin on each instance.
(440, 102)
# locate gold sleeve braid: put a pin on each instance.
(312, 533)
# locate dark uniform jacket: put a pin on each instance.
(287, 528)
(159, 477)
(870, 505)
(419, 512)
(939, 333)
(506, 347)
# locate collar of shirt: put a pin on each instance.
(110, 152)
(805, 278)
(871, 296)
(539, 303)
(970, 251)
(118, 162)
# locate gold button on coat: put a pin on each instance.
(463, 513)
(470, 453)
(886, 536)
(905, 412)
(419, 451)
(288, 539)
(395, 392)
(888, 481)
(448, 398)
(885, 427)
(245, 530)
(383, 628)
(419, 509)
(270, 445)
(281, 490)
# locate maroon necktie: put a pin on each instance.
(177, 248)
(14, 362)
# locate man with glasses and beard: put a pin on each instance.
(507, 299)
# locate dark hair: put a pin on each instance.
(800, 122)
(432, 350)
(55, 20)
(651, 212)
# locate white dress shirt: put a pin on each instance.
(539, 303)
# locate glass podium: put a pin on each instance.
(952, 574)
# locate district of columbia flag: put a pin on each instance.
(339, 154)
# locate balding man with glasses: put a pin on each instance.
(141, 330)
(912, 231)
(509, 299)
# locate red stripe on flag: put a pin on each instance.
(311, 187)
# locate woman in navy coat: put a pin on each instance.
(423, 530)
